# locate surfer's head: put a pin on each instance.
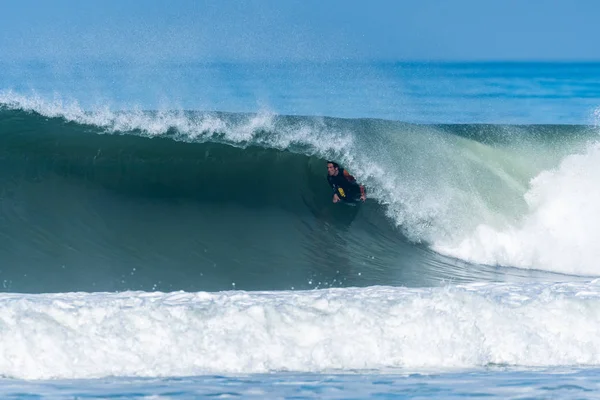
(332, 168)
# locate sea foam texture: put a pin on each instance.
(197, 127)
(81, 335)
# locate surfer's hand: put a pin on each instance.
(363, 197)
(336, 198)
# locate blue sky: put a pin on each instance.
(313, 30)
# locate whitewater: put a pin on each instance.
(94, 335)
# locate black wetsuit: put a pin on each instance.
(345, 186)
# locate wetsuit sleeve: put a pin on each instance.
(330, 180)
(349, 177)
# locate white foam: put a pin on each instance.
(255, 129)
(561, 230)
(82, 335)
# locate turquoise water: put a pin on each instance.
(151, 247)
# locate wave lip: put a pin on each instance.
(234, 129)
(81, 335)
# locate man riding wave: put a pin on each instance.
(344, 185)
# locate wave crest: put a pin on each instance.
(460, 188)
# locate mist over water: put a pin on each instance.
(461, 92)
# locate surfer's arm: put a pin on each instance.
(350, 178)
(336, 198)
(363, 193)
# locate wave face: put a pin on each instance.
(137, 200)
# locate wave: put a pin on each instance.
(376, 329)
(560, 229)
(146, 193)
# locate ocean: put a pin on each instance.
(167, 230)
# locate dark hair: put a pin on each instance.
(335, 165)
